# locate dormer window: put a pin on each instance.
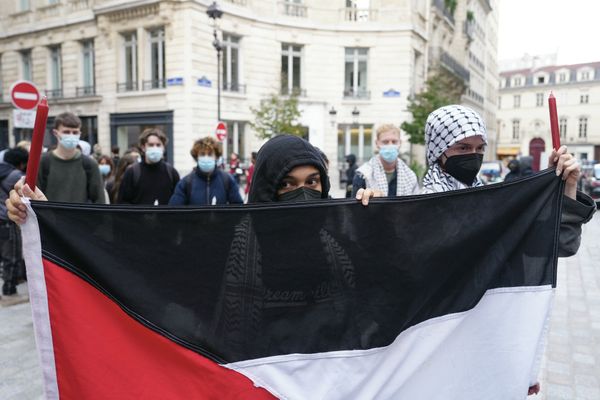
(585, 76)
(541, 80)
(517, 81)
(562, 77)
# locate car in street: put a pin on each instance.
(592, 184)
(491, 172)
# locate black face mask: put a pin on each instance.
(464, 167)
(300, 194)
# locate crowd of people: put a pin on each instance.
(455, 145)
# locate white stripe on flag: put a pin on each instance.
(25, 96)
(488, 352)
(38, 297)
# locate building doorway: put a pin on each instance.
(537, 146)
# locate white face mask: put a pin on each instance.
(154, 154)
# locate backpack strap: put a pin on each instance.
(188, 182)
(45, 168)
(137, 173)
(87, 167)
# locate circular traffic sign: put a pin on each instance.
(221, 131)
(24, 95)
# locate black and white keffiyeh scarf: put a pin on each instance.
(375, 178)
(446, 126)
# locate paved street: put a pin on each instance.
(570, 370)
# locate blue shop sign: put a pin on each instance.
(391, 93)
(176, 81)
(204, 82)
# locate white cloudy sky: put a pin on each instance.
(569, 27)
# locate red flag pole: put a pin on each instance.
(35, 152)
(554, 122)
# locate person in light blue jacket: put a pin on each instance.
(206, 184)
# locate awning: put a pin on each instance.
(508, 150)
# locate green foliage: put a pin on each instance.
(441, 89)
(276, 116)
(470, 16)
(450, 5)
(418, 169)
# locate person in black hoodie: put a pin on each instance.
(352, 167)
(11, 258)
(309, 278)
(288, 168)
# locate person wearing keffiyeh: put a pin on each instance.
(385, 174)
(455, 139)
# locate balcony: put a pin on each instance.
(451, 64)
(361, 94)
(440, 5)
(353, 14)
(85, 91)
(127, 87)
(293, 9)
(234, 87)
(298, 92)
(54, 94)
(153, 84)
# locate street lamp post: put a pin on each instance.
(214, 12)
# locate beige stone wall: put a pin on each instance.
(393, 30)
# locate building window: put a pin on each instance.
(562, 77)
(156, 39)
(541, 80)
(517, 82)
(562, 126)
(294, 8)
(291, 66)
(517, 101)
(355, 139)
(26, 65)
(55, 73)
(52, 2)
(87, 69)
(539, 99)
(583, 128)
(499, 102)
(231, 63)
(129, 66)
(515, 130)
(584, 99)
(355, 75)
(24, 5)
(585, 76)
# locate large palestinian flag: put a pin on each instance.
(425, 297)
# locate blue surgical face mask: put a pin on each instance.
(154, 154)
(104, 169)
(389, 152)
(206, 164)
(69, 142)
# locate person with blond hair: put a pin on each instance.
(385, 174)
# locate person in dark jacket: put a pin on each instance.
(350, 171)
(515, 170)
(11, 258)
(153, 180)
(206, 184)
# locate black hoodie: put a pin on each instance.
(276, 159)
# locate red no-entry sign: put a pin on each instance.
(221, 131)
(24, 95)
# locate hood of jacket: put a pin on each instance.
(5, 169)
(276, 158)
